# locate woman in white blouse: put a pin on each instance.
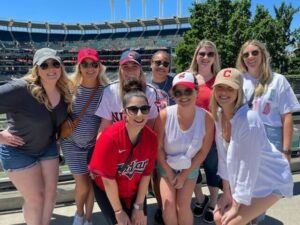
(255, 174)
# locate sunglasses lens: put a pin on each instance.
(186, 92)
(246, 55)
(255, 52)
(210, 54)
(56, 64)
(202, 54)
(133, 110)
(145, 109)
(44, 66)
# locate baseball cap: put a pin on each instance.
(132, 56)
(43, 54)
(229, 76)
(185, 78)
(87, 53)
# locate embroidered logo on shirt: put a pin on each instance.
(134, 167)
(267, 108)
(122, 150)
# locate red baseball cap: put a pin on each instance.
(87, 53)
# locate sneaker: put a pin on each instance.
(199, 207)
(78, 220)
(158, 217)
(88, 223)
(209, 215)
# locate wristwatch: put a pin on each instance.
(138, 206)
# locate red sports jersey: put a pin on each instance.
(112, 150)
(204, 94)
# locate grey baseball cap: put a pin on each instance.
(43, 54)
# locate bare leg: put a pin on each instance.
(168, 197)
(184, 198)
(50, 178)
(89, 204)
(29, 183)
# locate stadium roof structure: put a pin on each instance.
(97, 27)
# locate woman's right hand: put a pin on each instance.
(223, 202)
(122, 218)
(7, 138)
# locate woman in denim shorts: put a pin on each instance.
(35, 106)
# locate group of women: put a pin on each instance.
(127, 129)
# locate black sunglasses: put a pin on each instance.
(86, 65)
(253, 53)
(159, 62)
(133, 110)
(186, 92)
(209, 54)
(54, 64)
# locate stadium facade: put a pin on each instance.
(19, 40)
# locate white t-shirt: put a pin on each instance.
(182, 145)
(251, 164)
(278, 99)
(110, 106)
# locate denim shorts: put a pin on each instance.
(192, 175)
(275, 136)
(13, 159)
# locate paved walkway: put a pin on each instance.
(284, 212)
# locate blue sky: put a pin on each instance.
(98, 11)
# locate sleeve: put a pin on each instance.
(104, 159)
(10, 96)
(152, 155)
(288, 101)
(251, 141)
(222, 165)
(153, 102)
(104, 108)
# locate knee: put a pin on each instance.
(36, 200)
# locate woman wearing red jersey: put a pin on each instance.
(123, 161)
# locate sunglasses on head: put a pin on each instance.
(159, 62)
(208, 54)
(133, 110)
(54, 64)
(186, 92)
(253, 53)
(86, 65)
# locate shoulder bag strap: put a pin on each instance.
(77, 120)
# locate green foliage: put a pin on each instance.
(229, 23)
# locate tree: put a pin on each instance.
(229, 24)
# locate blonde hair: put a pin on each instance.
(265, 68)
(76, 77)
(214, 106)
(215, 68)
(36, 89)
(122, 81)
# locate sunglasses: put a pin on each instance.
(133, 110)
(186, 92)
(86, 65)
(54, 64)
(159, 62)
(208, 54)
(252, 53)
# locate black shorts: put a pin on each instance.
(106, 208)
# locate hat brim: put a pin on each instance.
(229, 83)
(186, 84)
(43, 59)
(128, 60)
(92, 57)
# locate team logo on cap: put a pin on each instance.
(227, 73)
(181, 76)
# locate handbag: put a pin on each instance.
(68, 125)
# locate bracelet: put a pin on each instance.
(118, 211)
(287, 152)
(138, 206)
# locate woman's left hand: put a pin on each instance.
(138, 217)
(9, 139)
(179, 180)
(230, 214)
